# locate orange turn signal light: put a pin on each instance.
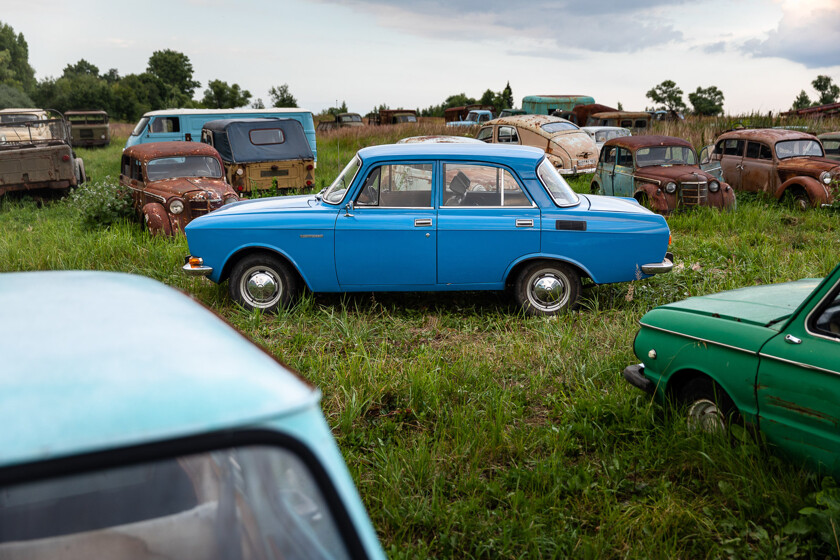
(196, 261)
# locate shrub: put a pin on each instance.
(101, 203)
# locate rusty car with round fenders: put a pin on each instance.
(785, 164)
(660, 172)
(173, 182)
(567, 147)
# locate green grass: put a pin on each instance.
(474, 432)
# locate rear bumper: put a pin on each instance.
(634, 375)
(658, 268)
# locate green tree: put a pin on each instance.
(81, 68)
(112, 76)
(335, 111)
(707, 101)
(506, 101)
(829, 91)
(282, 97)
(14, 67)
(220, 95)
(802, 100)
(10, 96)
(174, 69)
(667, 95)
(258, 104)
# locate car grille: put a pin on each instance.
(694, 193)
(201, 207)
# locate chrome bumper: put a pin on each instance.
(634, 375)
(658, 268)
(192, 270)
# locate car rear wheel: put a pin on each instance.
(707, 406)
(262, 281)
(547, 288)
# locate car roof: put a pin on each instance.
(272, 110)
(769, 135)
(528, 122)
(433, 150)
(152, 150)
(829, 136)
(102, 360)
(621, 114)
(635, 142)
(608, 128)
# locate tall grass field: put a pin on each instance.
(472, 431)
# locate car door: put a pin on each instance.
(757, 169)
(709, 164)
(623, 183)
(798, 384)
(486, 221)
(731, 161)
(606, 170)
(386, 239)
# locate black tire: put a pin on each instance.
(707, 406)
(547, 288)
(801, 201)
(262, 281)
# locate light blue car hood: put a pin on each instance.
(600, 203)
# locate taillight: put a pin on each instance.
(309, 183)
(310, 167)
(65, 157)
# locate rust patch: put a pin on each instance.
(802, 410)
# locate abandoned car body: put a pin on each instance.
(769, 354)
(661, 172)
(173, 182)
(89, 128)
(261, 154)
(392, 116)
(570, 149)
(781, 163)
(603, 133)
(831, 144)
(431, 217)
(36, 152)
(113, 453)
(473, 118)
(341, 120)
(634, 121)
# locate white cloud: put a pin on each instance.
(807, 34)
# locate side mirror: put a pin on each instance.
(347, 209)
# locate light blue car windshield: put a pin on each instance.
(335, 192)
(556, 186)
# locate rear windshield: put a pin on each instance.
(141, 126)
(183, 166)
(553, 127)
(265, 136)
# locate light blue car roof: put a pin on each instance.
(98, 360)
(521, 154)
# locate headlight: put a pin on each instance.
(714, 186)
(671, 188)
(230, 200)
(176, 206)
(240, 172)
(825, 177)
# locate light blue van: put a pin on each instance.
(185, 124)
(547, 104)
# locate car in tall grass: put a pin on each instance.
(784, 164)
(567, 147)
(831, 144)
(768, 355)
(603, 133)
(661, 172)
(149, 428)
(172, 183)
(431, 217)
(89, 128)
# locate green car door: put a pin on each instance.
(798, 383)
(623, 179)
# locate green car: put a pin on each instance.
(769, 354)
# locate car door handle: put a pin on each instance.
(422, 222)
(739, 166)
(524, 223)
(789, 338)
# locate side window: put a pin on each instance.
(485, 134)
(481, 185)
(733, 147)
(832, 147)
(508, 135)
(136, 170)
(125, 168)
(608, 154)
(765, 152)
(626, 123)
(826, 321)
(641, 123)
(625, 158)
(398, 186)
(753, 149)
(166, 124)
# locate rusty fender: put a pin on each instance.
(657, 199)
(157, 219)
(817, 192)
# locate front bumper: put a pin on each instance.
(658, 268)
(195, 270)
(635, 376)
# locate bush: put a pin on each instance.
(101, 203)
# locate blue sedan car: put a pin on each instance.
(431, 217)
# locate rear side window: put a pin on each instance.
(731, 147)
(265, 136)
(641, 123)
(166, 124)
(756, 150)
(507, 135)
(481, 185)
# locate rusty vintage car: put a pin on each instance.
(89, 128)
(831, 144)
(635, 121)
(36, 152)
(392, 116)
(262, 154)
(341, 120)
(568, 148)
(785, 164)
(173, 182)
(660, 172)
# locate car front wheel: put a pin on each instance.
(263, 282)
(547, 288)
(707, 406)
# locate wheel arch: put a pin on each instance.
(514, 271)
(813, 188)
(243, 252)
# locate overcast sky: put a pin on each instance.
(759, 53)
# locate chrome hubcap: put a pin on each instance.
(548, 291)
(705, 415)
(261, 287)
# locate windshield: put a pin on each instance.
(34, 132)
(556, 186)
(141, 126)
(553, 127)
(665, 155)
(17, 118)
(350, 118)
(246, 502)
(798, 148)
(338, 189)
(405, 118)
(183, 166)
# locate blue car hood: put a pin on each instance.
(273, 204)
(600, 203)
